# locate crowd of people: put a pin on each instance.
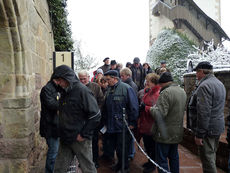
(77, 110)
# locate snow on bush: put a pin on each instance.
(174, 48)
(219, 57)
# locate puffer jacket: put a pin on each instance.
(168, 114)
(49, 105)
(79, 112)
(206, 107)
(120, 96)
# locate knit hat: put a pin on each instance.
(113, 73)
(99, 71)
(165, 77)
(204, 65)
(163, 62)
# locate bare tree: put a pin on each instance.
(85, 62)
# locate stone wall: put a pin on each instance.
(26, 46)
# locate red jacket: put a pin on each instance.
(145, 120)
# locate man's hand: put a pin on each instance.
(80, 138)
(131, 127)
(198, 141)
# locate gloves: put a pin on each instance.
(142, 107)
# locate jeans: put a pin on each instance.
(229, 163)
(167, 153)
(132, 150)
(53, 144)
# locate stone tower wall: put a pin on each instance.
(26, 46)
(157, 23)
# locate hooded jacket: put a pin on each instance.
(49, 105)
(79, 112)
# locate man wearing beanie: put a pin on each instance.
(206, 112)
(168, 114)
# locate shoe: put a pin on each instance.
(149, 169)
(125, 171)
(116, 168)
(96, 165)
(130, 158)
(146, 164)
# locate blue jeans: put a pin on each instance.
(53, 144)
(165, 152)
(131, 149)
(229, 163)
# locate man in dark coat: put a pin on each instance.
(126, 77)
(79, 116)
(209, 99)
(106, 66)
(49, 97)
(119, 96)
(98, 94)
(138, 73)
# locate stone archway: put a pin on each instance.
(26, 46)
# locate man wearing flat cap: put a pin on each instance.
(168, 130)
(206, 113)
(106, 65)
(119, 95)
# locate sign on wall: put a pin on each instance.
(63, 58)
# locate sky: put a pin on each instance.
(118, 29)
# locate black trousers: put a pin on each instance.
(149, 145)
(114, 141)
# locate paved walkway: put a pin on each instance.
(189, 163)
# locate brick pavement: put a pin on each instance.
(189, 163)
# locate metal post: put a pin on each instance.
(123, 143)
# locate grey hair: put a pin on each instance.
(83, 72)
(207, 71)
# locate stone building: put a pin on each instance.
(199, 21)
(26, 46)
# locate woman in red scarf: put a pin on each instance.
(145, 121)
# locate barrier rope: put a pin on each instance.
(131, 133)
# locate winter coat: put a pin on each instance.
(105, 68)
(206, 107)
(145, 121)
(149, 70)
(97, 92)
(130, 82)
(49, 105)
(138, 81)
(118, 97)
(79, 112)
(168, 114)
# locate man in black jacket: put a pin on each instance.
(138, 73)
(49, 97)
(79, 116)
